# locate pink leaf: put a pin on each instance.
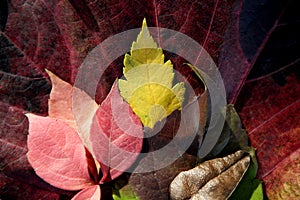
(60, 102)
(116, 135)
(84, 108)
(61, 107)
(90, 193)
(56, 153)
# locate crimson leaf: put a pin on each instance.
(116, 135)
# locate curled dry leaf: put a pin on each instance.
(213, 179)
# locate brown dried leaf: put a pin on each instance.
(213, 179)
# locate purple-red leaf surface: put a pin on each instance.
(56, 153)
(269, 108)
(116, 135)
(273, 128)
(58, 35)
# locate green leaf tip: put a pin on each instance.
(144, 25)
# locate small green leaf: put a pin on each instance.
(258, 193)
(233, 137)
(125, 193)
(248, 188)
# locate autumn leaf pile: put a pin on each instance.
(58, 148)
(255, 45)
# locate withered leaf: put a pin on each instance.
(213, 179)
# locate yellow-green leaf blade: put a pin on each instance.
(258, 193)
(150, 73)
(143, 51)
(148, 83)
(153, 102)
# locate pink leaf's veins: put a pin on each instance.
(57, 151)
(116, 138)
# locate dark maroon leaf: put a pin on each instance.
(22, 85)
(85, 14)
(250, 27)
(280, 52)
(273, 125)
(32, 29)
(3, 14)
(17, 190)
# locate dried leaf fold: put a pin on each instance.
(213, 179)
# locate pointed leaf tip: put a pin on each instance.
(60, 102)
(144, 23)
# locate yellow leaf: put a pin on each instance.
(148, 84)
